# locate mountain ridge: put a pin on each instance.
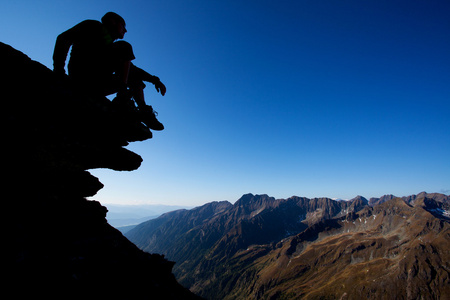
(247, 249)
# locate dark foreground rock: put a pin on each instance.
(59, 244)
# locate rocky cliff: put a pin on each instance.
(59, 244)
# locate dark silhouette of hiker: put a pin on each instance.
(101, 65)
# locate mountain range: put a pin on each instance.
(299, 248)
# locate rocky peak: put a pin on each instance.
(250, 205)
(358, 203)
(253, 201)
(373, 201)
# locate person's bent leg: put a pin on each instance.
(147, 114)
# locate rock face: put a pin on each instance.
(300, 248)
(59, 243)
(391, 251)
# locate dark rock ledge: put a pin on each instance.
(59, 244)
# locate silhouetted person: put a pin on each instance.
(101, 65)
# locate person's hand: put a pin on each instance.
(160, 87)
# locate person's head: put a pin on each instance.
(115, 25)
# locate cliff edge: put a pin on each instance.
(59, 243)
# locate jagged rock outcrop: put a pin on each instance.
(59, 244)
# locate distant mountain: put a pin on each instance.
(266, 248)
(440, 199)
(125, 215)
(125, 229)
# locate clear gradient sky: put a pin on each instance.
(314, 98)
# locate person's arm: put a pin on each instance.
(62, 46)
(63, 43)
(145, 76)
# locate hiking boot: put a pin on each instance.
(148, 117)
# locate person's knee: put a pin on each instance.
(136, 85)
(123, 50)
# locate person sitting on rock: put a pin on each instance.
(101, 65)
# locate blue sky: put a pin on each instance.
(309, 98)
